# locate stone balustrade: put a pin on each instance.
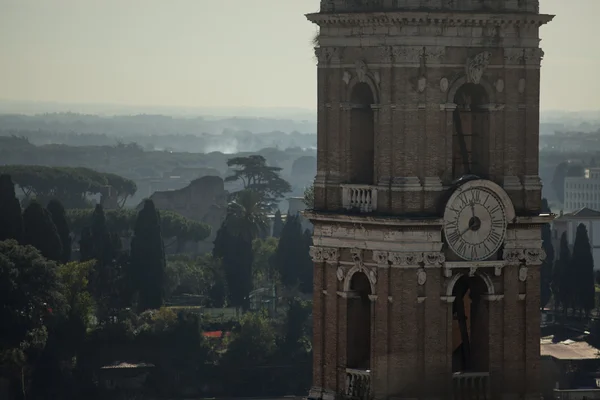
(471, 385)
(358, 384)
(359, 197)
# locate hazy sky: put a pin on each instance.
(229, 53)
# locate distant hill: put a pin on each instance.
(31, 108)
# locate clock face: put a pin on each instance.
(475, 223)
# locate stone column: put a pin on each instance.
(495, 346)
(448, 319)
(449, 139)
(378, 149)
(429, 278)
(404, 357)
(322, 361)
(380, 327)
(342, 333)
(530, 275)
(344, 141)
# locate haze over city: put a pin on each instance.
(232, 54)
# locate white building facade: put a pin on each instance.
(583, 192)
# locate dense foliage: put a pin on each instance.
(11, 221)
(69, 184)
(123, 221)
(72, 318)
(148, 263)
(257, 176)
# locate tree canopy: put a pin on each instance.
(582, 263)
(256, 175)
(30, 294)
(148, 264)
(292, 258)
(172, 223)
(41, 233)
(70, 184)
(57, 213)
(246, 216)
(11, 221)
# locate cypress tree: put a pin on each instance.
(148, 258)
(57, 213)
(277, 224)
(40, 232)
(102, 242)
(237, 265)
(562, 276)
(292, 257)
(86, 245)
(11, 221)
(583, 270)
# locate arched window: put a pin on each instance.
(362, 135)
(359, 323)
(470, 144)
(470, 328)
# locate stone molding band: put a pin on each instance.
(529, 256)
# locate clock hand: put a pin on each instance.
(468, 228)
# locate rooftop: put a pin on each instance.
(567, 350)
(584, 212)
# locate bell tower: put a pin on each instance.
(427, 199)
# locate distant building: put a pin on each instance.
(204, 200)
(569, 222)
(583, 191)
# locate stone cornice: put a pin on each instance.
(430, 18)
(372, 220)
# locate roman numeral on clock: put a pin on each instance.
(495, 237)
(453, 236)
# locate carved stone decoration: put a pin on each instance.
(497, 271)
(373, 275)
(533, 56)
(340, 273)
(534, 256)
(377, 78)
(346, 275)
(324, 254)
(361, 70)
(405, 259)
(421, 277)
(435, 259)
(444, 85)
(523, 274)
(500, 85)
(513, 256)
(524, 256)
(380, 257)
(476, 66)
(421, 84)
(357, 256)
(513, 56)
(522, 85)
(407, 54)
(435, 55)
(326, 55)
(472, 271)
(346, 78)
